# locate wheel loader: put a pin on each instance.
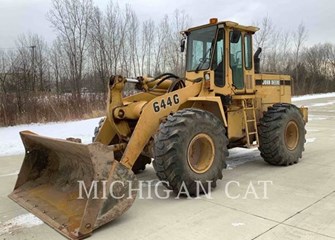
(185, 125)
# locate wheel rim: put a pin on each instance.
(201, 153)
(291, 135)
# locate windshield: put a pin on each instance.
(199, 44)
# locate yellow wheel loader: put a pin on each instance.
(185, 124)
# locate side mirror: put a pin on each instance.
(182, 45)
(235, 36)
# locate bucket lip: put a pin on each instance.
(26, 135)
(45, 218)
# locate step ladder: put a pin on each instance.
(248, 105)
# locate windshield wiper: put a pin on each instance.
(205, 57)
(202, 62)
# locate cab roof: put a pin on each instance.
(228, 24)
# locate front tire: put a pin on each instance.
(282, 135)
(190, 148)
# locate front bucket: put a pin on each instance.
(74, 188)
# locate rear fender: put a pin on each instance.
(304, 112)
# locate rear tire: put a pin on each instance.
(282, 135)
(141, 161)
(190, 146)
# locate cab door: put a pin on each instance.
(240, 59)
(236, 60)
(248, 63)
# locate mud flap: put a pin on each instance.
(73, 187)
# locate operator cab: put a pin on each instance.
(221, 52)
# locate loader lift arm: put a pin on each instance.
(149, 112)
(159, 107)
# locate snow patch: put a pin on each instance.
(322, 104)
(313, 96)
(19, 222)
(310, 140)
(316, 118)
(238, 224)
(10, 141)
(313, 130)
(229, 167)
(10, 174)
(239, 156)
(238, 152)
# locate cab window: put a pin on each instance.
(219, 60)
(247, 52)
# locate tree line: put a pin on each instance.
(312, 68)
(67, 79)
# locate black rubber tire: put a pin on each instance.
(97, 128)
(171, 149)
(141, 161)
(272, 135)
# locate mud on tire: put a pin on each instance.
(187, 135)
(282, 135)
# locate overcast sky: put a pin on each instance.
(23, 16)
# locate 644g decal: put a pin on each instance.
(165, 103)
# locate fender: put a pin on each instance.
(211, 104)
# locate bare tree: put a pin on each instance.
(132, 41)
(4, 70)
(116, 26)
(33, 52)
(299, 38)
(71, 19)
(148, 38)
(5, 65)
(180, 22)
(262, 38)
(57, 65)
(98, 51)
(285, 52)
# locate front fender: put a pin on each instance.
(211, 104)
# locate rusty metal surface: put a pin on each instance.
(48, 185)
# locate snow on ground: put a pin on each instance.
(313, 96)
(10, 174)
(237, 224)
(323, 104)
(15, 224)
(310, 140)
(10, 142)
(238, 156)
